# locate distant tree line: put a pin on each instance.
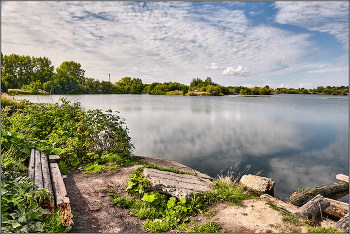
(34, 75)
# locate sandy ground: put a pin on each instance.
(92, 212)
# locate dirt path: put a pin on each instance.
(88, 194)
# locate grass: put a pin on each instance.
(323, 230)
(208, 227)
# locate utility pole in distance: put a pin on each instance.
(109, 77)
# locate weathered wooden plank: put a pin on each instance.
(31, 166)
(342, 177)
(54, 158)
(343, 224)
(58, 186)
(313, 208)
(280, 204)
(334, 191)
(38, 174)
(46, 173)
(337, 208)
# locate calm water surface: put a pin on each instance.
(297, 140)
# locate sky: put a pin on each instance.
(280, 44)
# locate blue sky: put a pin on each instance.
(280, 44)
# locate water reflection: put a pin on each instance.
(298, 140)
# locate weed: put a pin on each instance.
(95, 168)
(208, 227)
(210, 214)
(183, 226)
(274, 206)
(244, 214)
(63, 167)
(329, 229)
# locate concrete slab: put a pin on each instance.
(178, 185)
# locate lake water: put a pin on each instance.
(299, 141)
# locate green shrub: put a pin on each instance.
(66, 128)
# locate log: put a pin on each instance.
(280, 204)
(343, 224)
(337, 208)
(31, 165)
(38, 174)
(342, 177)
(334, 191)
(313, 208)
(46, 173)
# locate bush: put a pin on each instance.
(67, 130)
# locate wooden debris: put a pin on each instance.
(31, 165)
(66, 214)
(54, 158)
(38, 174)
(336, 208)
(313, 208)
(280, 204)
(342, 177)
(334, 191)
(343, 224)
(59, 188)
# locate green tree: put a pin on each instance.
(136, 86)
(73, 69)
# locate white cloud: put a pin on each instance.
(254, 13)
(305, 85)
(240, 71)
(168, 41)
(329, 17)
(334, 69)
(213, 66)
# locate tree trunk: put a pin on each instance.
(334, 191)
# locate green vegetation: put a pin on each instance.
(163, 212)
(329, 229)
(94, 139)
(32, 75)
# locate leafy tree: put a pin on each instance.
(73, 69)
(136, 86)
(195, 82)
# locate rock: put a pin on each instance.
(177, 185)
(258, 185)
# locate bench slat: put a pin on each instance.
(38, 172)
(46, 173)
(31, 165)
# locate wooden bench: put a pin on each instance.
(45, 173)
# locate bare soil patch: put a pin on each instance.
(92, 212)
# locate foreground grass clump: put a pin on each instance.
(329, 229)
(163, 212)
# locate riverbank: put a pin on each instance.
(93, 213)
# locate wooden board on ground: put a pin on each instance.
(38, 174)
(337, 208)
(313, 208)
(46, 173)
(58, 186)
(342, 177)
(31, 167)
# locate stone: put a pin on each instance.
(257, 185)
(177, 185)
